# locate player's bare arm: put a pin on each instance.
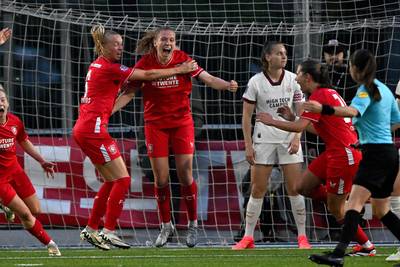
(47, 166)
(218, 83)
(149, 75)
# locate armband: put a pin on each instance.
(327, 110)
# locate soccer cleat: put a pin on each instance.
(303, 242)
(112, 239)
(394, 256)
(327, 259)
(53, 250)
(247, 242)
(93, 238)
(167, 230)
(359, 250)
(10, 216)
(191, 237)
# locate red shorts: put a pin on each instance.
(18, 184)
(336, 170)
(100, 147)
(159, 141)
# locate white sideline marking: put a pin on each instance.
(29, 264)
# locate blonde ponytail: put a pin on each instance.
(98, 33)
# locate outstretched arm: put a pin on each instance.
(154, 74)
(289, 126)
(218, 83)
(47, 166)
(316, 107)
(5, 34)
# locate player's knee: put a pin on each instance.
(335, 210)
(378, 212)
(258, 192)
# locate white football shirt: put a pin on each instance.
(268, 96)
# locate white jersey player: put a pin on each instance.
(268, 91)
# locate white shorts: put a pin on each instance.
(270, 154)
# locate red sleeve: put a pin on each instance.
(21, 134)
(309, 115)
(121, 72)
(196, 72)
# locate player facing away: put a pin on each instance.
(337, 165)
(16, 190)
(103, 81)
(169, 124)
(266, 92)
(373, 111)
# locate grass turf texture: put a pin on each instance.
(171, 257)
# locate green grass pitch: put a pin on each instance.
(177, 257)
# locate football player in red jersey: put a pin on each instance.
(169, 124)
(104, 79)
(338, 164)
(16, 190)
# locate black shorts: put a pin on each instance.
(378, 169)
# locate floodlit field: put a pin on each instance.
(180, 257)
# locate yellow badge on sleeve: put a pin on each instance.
(362, 95)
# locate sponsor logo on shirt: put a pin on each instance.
(166, 82)
(96, 65)
(6, 143)
(278, 102)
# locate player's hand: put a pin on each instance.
(286, 113)
(265, 118)
(294, 145)
(250, 155)
(48, 168)
(233, 86)
(312, 106)
(188, 66)
(5, 35)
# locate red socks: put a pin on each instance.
(360, 236)
(100, 205)
(163, 196)
(116, 201)
(38, 232)
(189, 194)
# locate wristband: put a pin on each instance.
(327, 110)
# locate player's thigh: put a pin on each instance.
(115, 168)
(26, 191)
(336, 205)
(259, 179)
(292, 173)
(184, 168)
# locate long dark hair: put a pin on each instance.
(267, 49)
(365, 65)
(319, 72)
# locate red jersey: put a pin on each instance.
(337, 132)
(11, 131)
(167, 101)
(103, 82)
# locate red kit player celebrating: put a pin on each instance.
(338, 164)
(103, 82)
(16, 190)
(169, 124)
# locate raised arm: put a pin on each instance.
(29, 148)
(316, 107)
(218, 83)
(248, 109)
(154, 74)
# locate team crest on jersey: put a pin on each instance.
(362, 95)
(112, 149)
(124, 68)
(14, 130)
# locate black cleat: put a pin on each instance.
(327, 259)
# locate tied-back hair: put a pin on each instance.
(365, 65)
(319, 72)
(146, 44)
(267, 49)
(100, 36)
